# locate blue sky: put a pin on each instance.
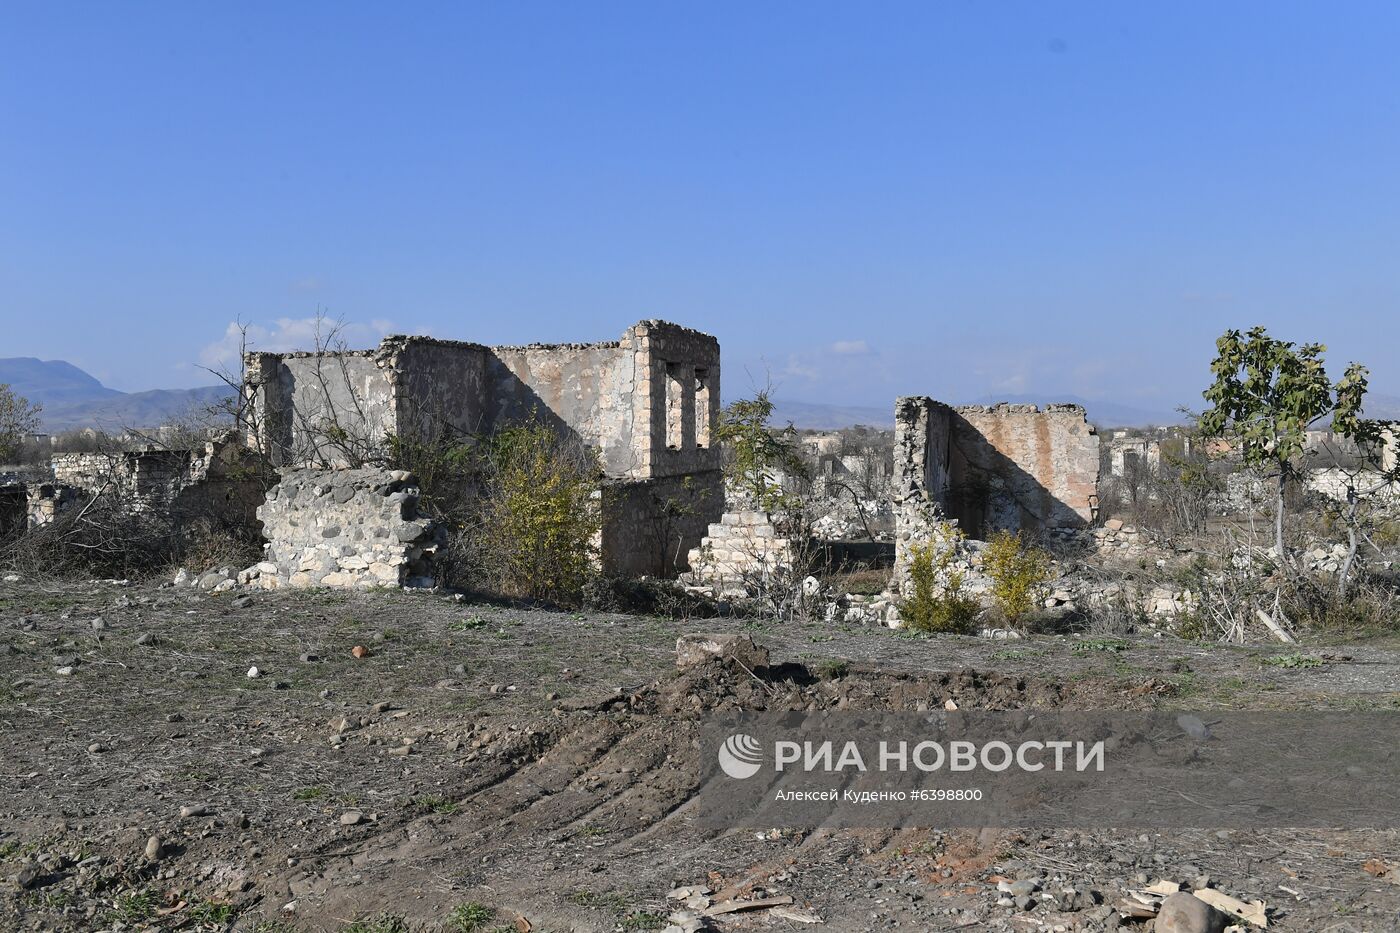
(863, 200)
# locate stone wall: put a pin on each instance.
(651, 526)
(221, 480)
(356, 528)
(1018, 466)
(1000, 467)
(1370, 485)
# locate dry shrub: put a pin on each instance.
(937, 603)
(1019, 573)
(104, 537)
(532, 532)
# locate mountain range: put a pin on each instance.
(74, 399)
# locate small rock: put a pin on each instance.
(241, 602)
(96, 748)
(145, 638)
(64, 671)
(29, 874)
(254, 673)
(155, 848)
(194, 809)
(359, 651)
(1186, 913)
(351, 817)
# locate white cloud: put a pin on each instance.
(286, 334)
(850, 348)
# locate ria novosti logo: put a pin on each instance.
(740, 756)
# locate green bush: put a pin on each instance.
(1019, 572)
(535, 527)
(932, 607)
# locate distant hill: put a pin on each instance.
(1102, 414)
(830, 417)
(52, 382)
(1380, 405)
(73, 399)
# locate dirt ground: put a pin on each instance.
(537, 768)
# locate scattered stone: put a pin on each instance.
(192, 810)
(351, 818)
(64, 671)
(254, 673)
(360, 651)
(241, 602)
(155, 848)
(144, 639)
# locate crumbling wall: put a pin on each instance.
(441, 387)
(650, 527)
(357, 528)
(582, 390)
(985, 469)
(1020, 467)
(320, 407)
(221, 480)
(47, 501)
(1000, 467)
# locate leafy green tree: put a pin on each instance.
(18, 417)
(757, 453)
(1265, 395)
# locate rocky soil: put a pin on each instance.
(384, 761)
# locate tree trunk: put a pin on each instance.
(1344, 575)
(1278, 515)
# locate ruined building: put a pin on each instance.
(1013, 467)
(220, 481)
(989, 468)
(648, 403)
